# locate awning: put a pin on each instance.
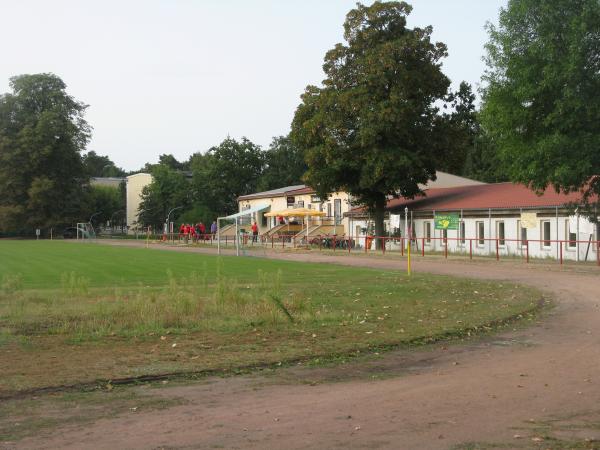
(247, 212)
(296, 212)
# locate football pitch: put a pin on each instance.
(79, 313)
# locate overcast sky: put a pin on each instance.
(178, 76)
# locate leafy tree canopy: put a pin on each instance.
(169, 189)
(541, 104)
(101, 166)
(284, 164)
(42, 134)
(373, 129)
(225, 172)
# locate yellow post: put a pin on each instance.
(408, 264)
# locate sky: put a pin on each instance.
(179, 76)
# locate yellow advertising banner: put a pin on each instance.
(528, 220)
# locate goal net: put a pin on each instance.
(85, 230)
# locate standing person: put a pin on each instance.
(186, 233)
(213, 228)
(181, 231)
(202, 229)
(254, 232)
(192, 233)
(197, 228)
(280, 220)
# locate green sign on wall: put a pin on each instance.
(446, 221)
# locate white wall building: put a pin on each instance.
(135, 185)
(503, 218)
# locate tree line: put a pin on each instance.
(382, 122)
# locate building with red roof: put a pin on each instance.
(503, 217)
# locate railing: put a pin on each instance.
(498, 248)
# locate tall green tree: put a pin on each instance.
(107, 204)
(284, 164)
(42, 134)
(541, 103)
(101, 166)
(373, 129)
(169, 189)
(225, 172)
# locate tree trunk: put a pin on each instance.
(379, 215)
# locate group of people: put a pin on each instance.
(197, 232)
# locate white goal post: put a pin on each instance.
(85, 230)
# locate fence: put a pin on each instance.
(560, 250)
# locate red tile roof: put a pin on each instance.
(304, 190)
(484, 196)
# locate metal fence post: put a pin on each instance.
(497, 250)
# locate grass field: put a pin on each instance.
(75, 313)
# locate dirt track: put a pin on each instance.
(479, 392)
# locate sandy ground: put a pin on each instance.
(483, 391)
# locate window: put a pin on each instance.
(300, 203)
(263, 220)
(570, 237)
(500, 234)
(428, 232)
(328, 209)
(522, 234)
(337, 210)
(546, 233)
(463, 233)
(480, 233)
(309, 206)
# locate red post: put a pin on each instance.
(272, 243)
(470, 248)
(349, 241)
(422, 246)
(497, 250)
(527, 250)
(366, 241)
(225, 241)
(446, 248)
(402, 246)
(561, 250)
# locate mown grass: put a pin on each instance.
(133, 312)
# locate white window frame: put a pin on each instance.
(523, 243)
(427, 232)
(543, 239)
(570, 244)
(501, 240)
(462, 233)
(480, 236)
